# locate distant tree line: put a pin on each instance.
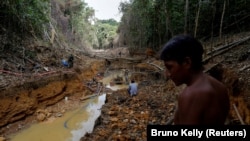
(105, 33)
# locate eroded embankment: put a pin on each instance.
(124, 117)
(238, 92)
(33, 98)
(21, 101)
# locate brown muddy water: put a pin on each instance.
(73, 124)
(70, 127)
(110, 75)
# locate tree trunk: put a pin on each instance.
(186, 17)
(197, 19)
(222, 17)
(212, 26)
(168, 20)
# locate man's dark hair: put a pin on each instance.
(182, 46)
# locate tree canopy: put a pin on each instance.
(145, 23)
(150, 23)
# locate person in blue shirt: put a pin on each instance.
(65, 63)
(68, 63)
(133, 88)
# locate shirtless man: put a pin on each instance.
(204, 101)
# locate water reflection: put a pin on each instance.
(109, 77)
(70, 127)
(117, 87)
(94, 111)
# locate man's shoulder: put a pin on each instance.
(134, 84)
(194, 92)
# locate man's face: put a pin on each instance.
(175, 71)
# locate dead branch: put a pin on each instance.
(244, 68)
(156, 66)
(88, 97)
(225, 48)
(121, 58)
(237, 21)
(91, 89)
(99, 90)
(238, 114)
(211, 67)
(170, 121)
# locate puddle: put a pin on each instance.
(70, 127)
(117, 87)
(110, 76)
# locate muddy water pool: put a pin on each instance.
(109, 76)
(70, 127)
(73, 124)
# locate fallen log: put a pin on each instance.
(211, 67)
(244, 68)
(229, 45)
(88, 97)
(156, 66)
(223, 49)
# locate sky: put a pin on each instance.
(105, 9)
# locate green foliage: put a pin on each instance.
(105, 32)
(30, 54)
(139, 22)
(150, 23)
(80, 19)
(237, 15)
(146, 21)
(111, 22)
(24, 16)
(177, 16)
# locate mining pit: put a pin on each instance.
(121, 117)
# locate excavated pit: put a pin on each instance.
(38, 101)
